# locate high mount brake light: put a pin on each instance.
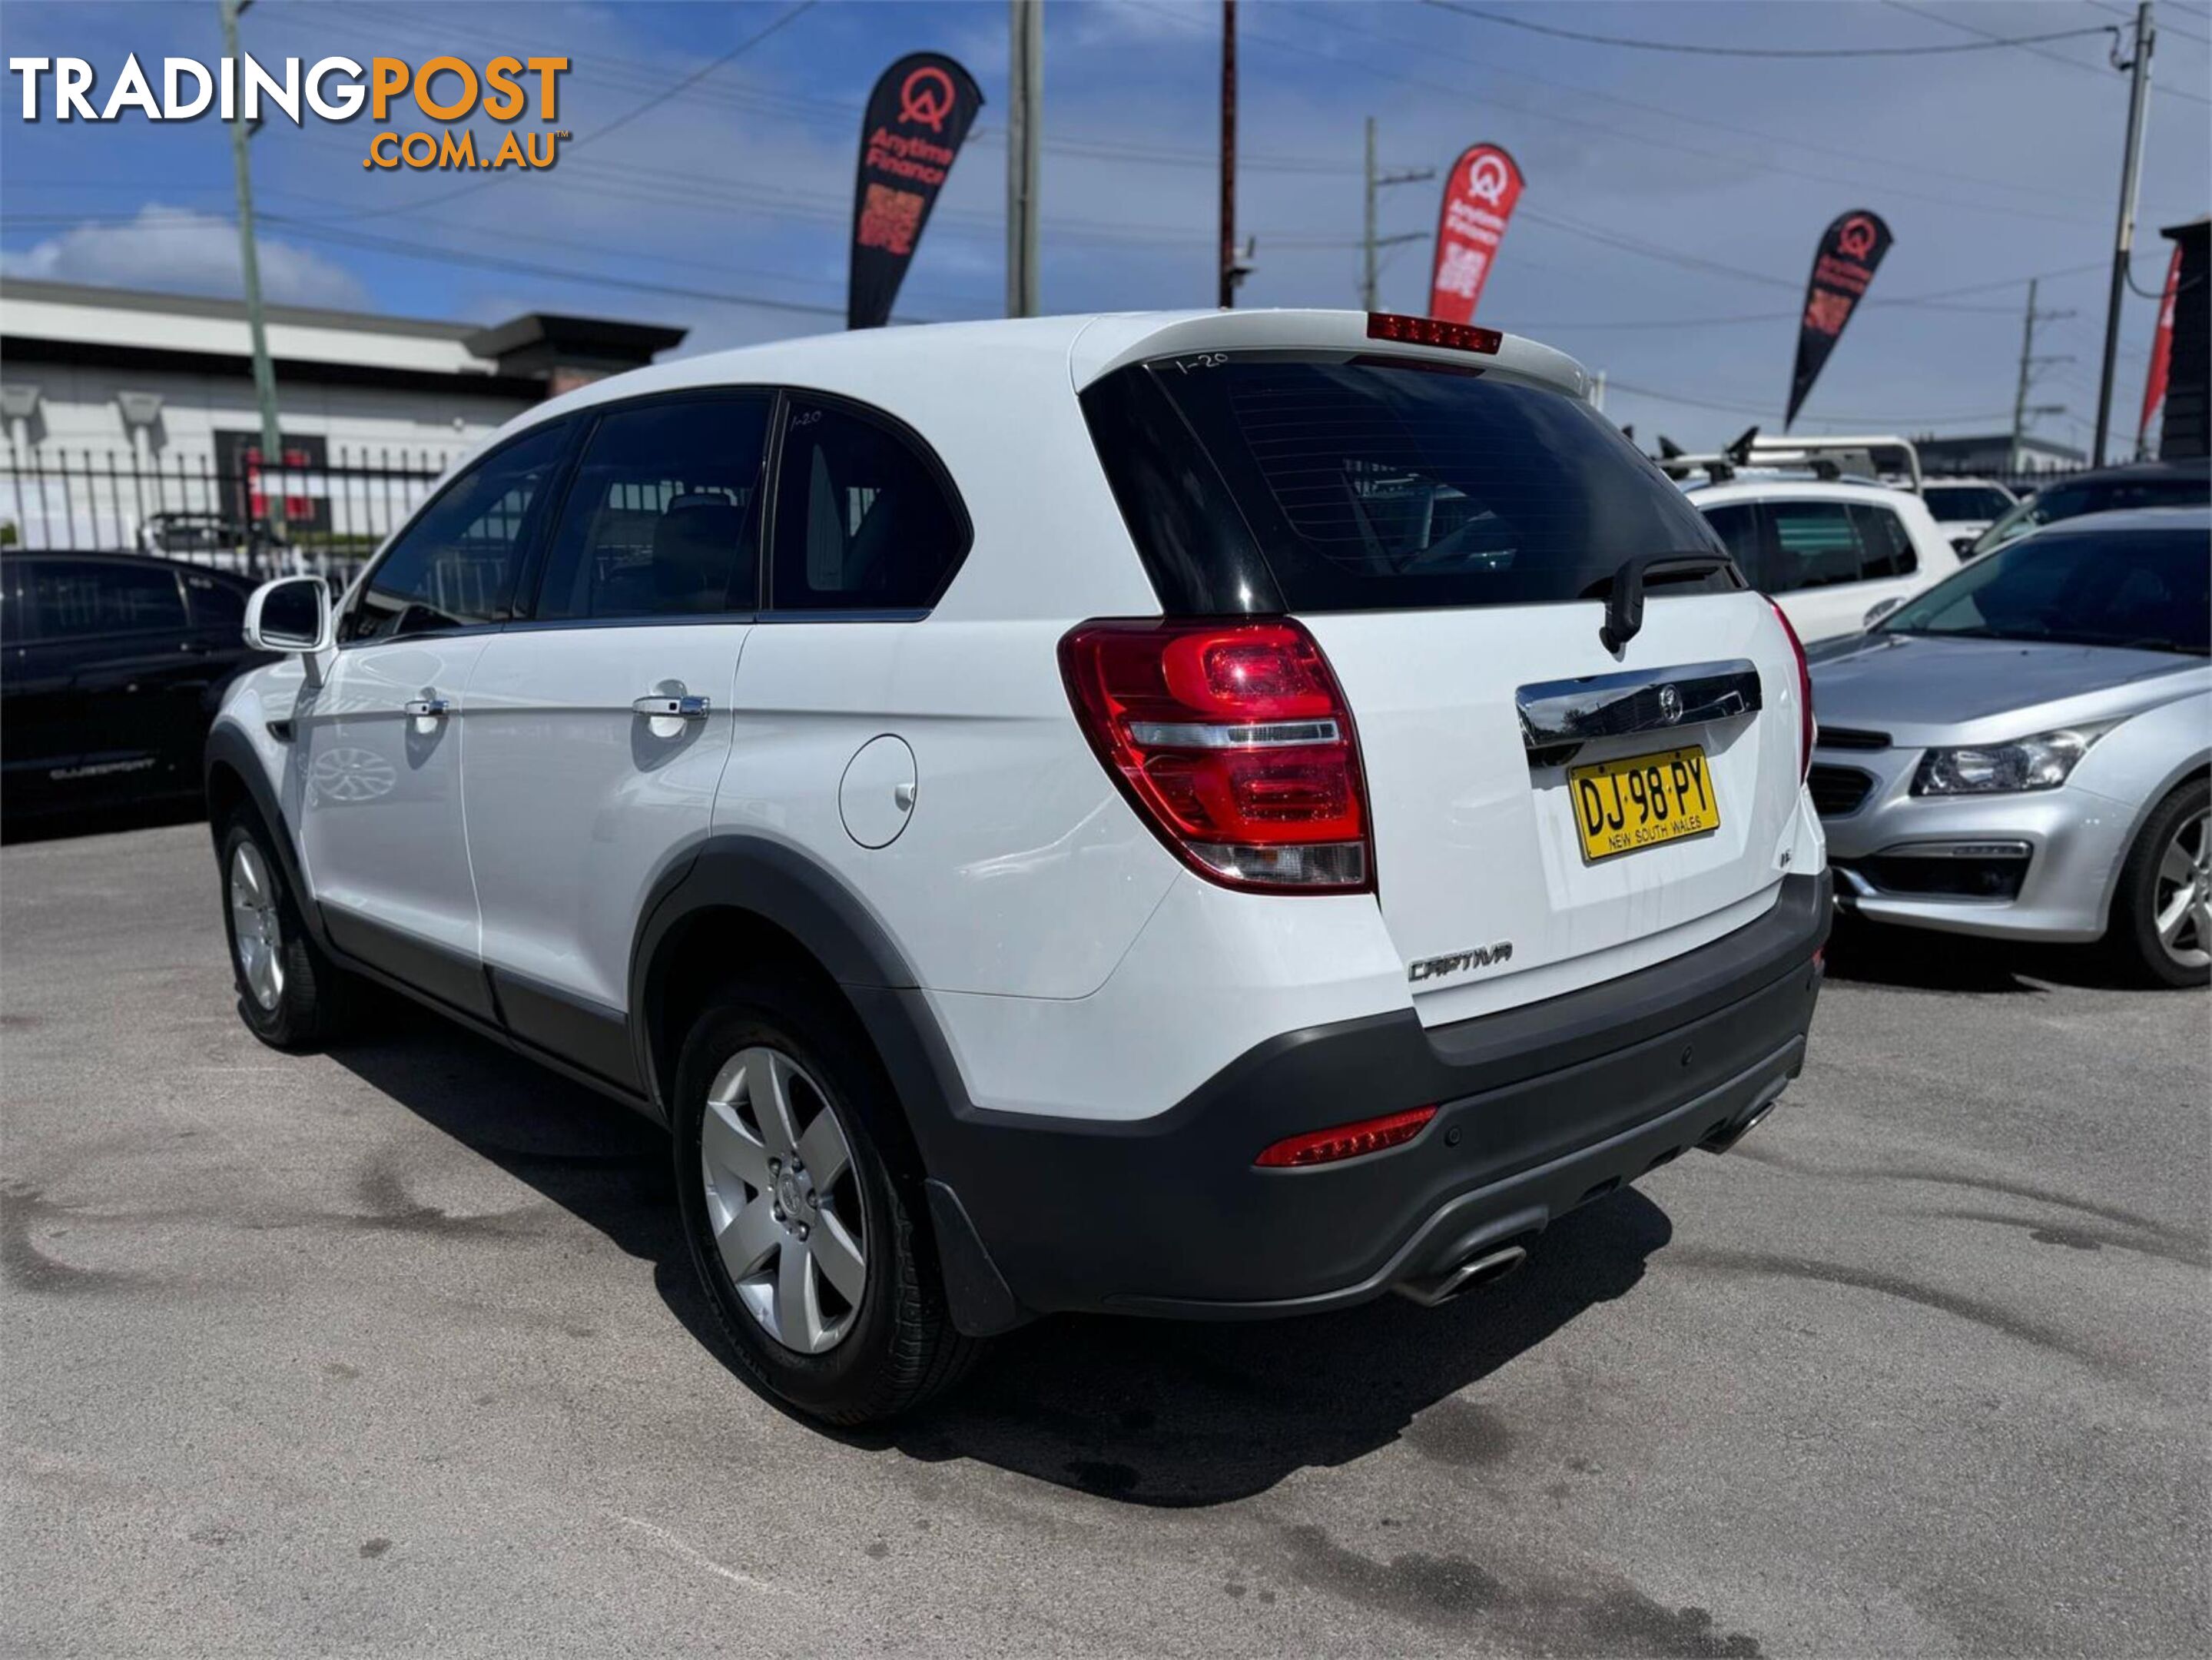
(1233, 743)
(1428, 331)
(1346, 1141)
(1806, 728)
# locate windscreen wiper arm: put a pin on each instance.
(1624, 589)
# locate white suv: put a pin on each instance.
(1836, 557)
(1214, 815)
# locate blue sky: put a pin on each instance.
(1672, 205)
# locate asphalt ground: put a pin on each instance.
(394, 1351)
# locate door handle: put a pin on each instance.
(689, 705)
(428, 709)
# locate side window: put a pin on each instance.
(456, 564)
(1737, 524)
(661, 518)
(76, 600)
(1886, 546)
(863, 522)
(1816, 545)
(218, 607)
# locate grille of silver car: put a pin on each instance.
(1837, 790)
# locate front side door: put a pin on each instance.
(375, 785)
(598, 726)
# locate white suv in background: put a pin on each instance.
(1212, 815)
(1835, 557)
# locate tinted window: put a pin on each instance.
(1737, 524)
(660, 518)
(1816, 545)
(862, 521)
(1885, 546)
(218, 607)
(1950, 503)
(75, 600)
(456, 564)
(2146, 588)
(1358, 483)
(2071, 501)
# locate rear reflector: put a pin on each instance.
(1346, 1141)
(1233, 743)
(1428, 331)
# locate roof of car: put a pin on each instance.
(1031, 353)
(2195, 516)
(2195, 467)
(117, 557)
(1795, 489)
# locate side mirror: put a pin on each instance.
(292, 615)
(1877, 613)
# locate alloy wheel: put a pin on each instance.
(256, 932)
(2181, 902)
(783, 1200)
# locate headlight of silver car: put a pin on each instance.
(2040, 763)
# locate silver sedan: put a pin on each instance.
(2022, 750)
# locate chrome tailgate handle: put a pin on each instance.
(689, 705)
(1554, 712)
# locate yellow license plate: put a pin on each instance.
(1642, 800)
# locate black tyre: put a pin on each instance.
(801, 1199)
(2160, 933)
(289, 995)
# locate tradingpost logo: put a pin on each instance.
(444, 91)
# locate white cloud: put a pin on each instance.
(180, 252)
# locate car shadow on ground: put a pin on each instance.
(1921, 959)
(1146, 1412)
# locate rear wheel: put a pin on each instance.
(288, 992)
(2161, 927)
(807, 1236)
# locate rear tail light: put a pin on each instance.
(1806, 728)
(1233, 743)
(1346, 1141)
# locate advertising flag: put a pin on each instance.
(1850, 251)
(2161, 351)
(1480, 193)
(917, 116)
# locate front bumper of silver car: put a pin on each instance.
(2034, 865)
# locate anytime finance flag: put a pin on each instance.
(1850, 250)
(921, 110)
(1480, 193)
(2161, 352)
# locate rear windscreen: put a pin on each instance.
(1265, 482)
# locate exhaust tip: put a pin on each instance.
(1483, 1268)
(1730, 1134)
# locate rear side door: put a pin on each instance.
(135, 685)
(598, 725)
(377, 779)
(1818, 559)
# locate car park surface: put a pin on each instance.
(391, 1351)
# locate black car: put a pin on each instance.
(2107, 490)
(110, 668)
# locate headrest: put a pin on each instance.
(694, 545)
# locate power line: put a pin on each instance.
(2163, 28)
(2056, 58)
(1758, 51)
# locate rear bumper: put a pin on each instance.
(1541, 1108)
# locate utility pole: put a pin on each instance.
(1369, 242)
(2029, 362)
(1227, 296)
(264, 378)
(1025, 61)
(2123, 241)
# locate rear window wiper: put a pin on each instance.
(1623, 592)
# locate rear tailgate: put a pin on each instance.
(1481, 868)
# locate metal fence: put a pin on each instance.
(335, 509)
